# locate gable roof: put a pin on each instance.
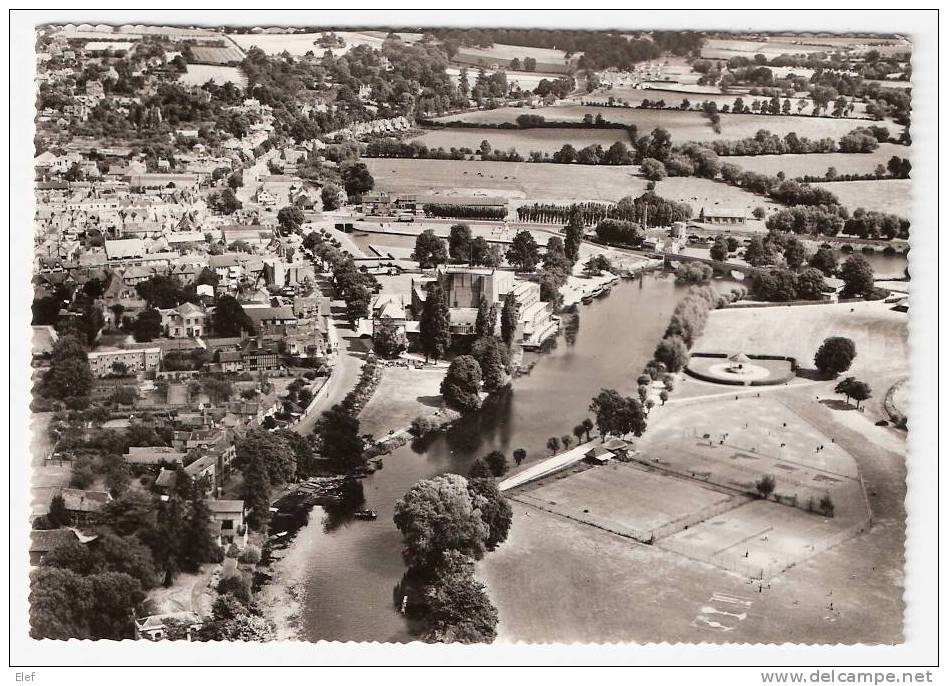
(44, 541)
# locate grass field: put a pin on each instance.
(818, 163)
(527, 80)
(880, 335)
(524, 141)
(683, 126)
(525, 182)
(623, 498)
(674, 94)
(402, 395)
(199, 74)
(301, 43)
(894, 195)
(501, 55)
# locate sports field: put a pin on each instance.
(626, 499)
(893, 195)
(523, 141)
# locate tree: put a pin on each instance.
(553, 444)
(495, 510)
(824, 259)
(461, 385)
(340, 438)
(835, 355)
(759, 212)
(356, 178)
(587, 426)
(459, 243)
(291, 219)
(455, 607)
(765, 485)
(794, 252)
(58, 515)
(810, 284)
(387, 339)
(230, 319)
(331, 197)
(524, 252)
(438, 515)
(430, 250)
(672, 352)
(224, 202)
(719, 250)
(653, 170)
(68, 374)
(617, 415)
(496, 461)
(434, 327)
(509, 317)
(519, 456)
(858, 276)
(479, 470)
(574, 236)
(486, 322)
(358, 301)
(494, 360)
(147, 326)
(663, 396)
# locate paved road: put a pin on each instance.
(349, 359)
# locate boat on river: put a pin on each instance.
(367, 515)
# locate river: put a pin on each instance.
(351, 572)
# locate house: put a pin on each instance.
(187, 320)
(83, 507)
(382, 204)
(272, 321)
(41, 542)
(123, 250)
(257, 355)
(230, 514)
(158, 627)
(599, 455)
(724, 215)
(135, 360)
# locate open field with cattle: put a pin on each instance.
(683, 126)
(889, 195)
(523, 141)
(526, 182)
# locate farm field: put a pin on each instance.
(892, 195)
(524, 141)
(818, 163)
(624, 498)
(301, 43)
(723, 48)
(527, 80)
(227, 53)
(684, 126)
(880, 334)
(672, 94)
(199, 74)
(501, 54)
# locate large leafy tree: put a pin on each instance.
(435, 323)
(835, 355)
(147, 325)
(858, 276)
(459, 243)
(437, 515)
(672, 352)
(229, 317)
(68, 374)
(455, 605)
(524, 252)
(290, 218)
(430, 250)
(494, 359)
(340, 439)
(461, 385)
(616, 414)
(495, 510)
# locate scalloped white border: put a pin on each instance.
(921, 613)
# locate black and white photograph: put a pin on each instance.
(434, 331)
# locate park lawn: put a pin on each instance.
(890, 195)
(523, 141)
(403, 394)
(816, 164)
(609, 588)
(880, 334)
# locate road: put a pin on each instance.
(350, 357)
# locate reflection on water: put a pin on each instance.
(353, 573)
